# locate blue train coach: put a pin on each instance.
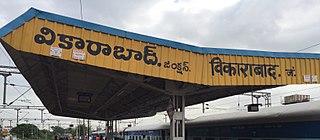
(291, 122)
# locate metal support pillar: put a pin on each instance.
(116, 127)
(109, 130)
(88, 129)
(17, 116)
(5, 75)
(10, 122)
(177, 122)
(42, 121)
(84, 129)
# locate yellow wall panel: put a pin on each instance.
(116, 64)
(198, 70)
(192, 67)
(141, 65)
(38, 25)
(263, 75)
(288, 67)
(66, 29)
(185, 68)
(171, 57)
(148, 68)
(178, 61)
(90, 59)
(124, 54)
(244, 60)
(27, 39)
(298, 71)
(268, 78)
(208, 69)
(164, 56)
(125, 63)
(307, 67)
(283, 72)
(45, 49)
(302, 68)
(221, 78)
(156, 68)
(255, 77)
(100, 58)
(251, 78)
(204, 70)
(233, 76)
(7, 38)
(133, 64)
(228, 78)
(17, 35)
(109, 61)
(292, 73)
(317, 68)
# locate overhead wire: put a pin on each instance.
(12, 64)
(20, 93)
(314, 45)
(19, 96)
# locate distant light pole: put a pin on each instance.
(18, 109)
(42, 121)
(58, 122)
(10, 121)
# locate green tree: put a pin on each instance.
(70, 131)
(30, 131)
(46, 135)
(25, 131)
(80, 129)
(57, 130)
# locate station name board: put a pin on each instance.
(140, 56)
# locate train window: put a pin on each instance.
(225, 139)
(196, 138)
(209, 138)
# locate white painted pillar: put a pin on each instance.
(109, 130)
(177, 122)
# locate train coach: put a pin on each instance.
(291, 122)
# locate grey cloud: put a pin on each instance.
(247, 24)
(116, 13)
(274, 25)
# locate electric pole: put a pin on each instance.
(7, 71)
(18, 109)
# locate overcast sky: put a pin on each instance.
(273, 25)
